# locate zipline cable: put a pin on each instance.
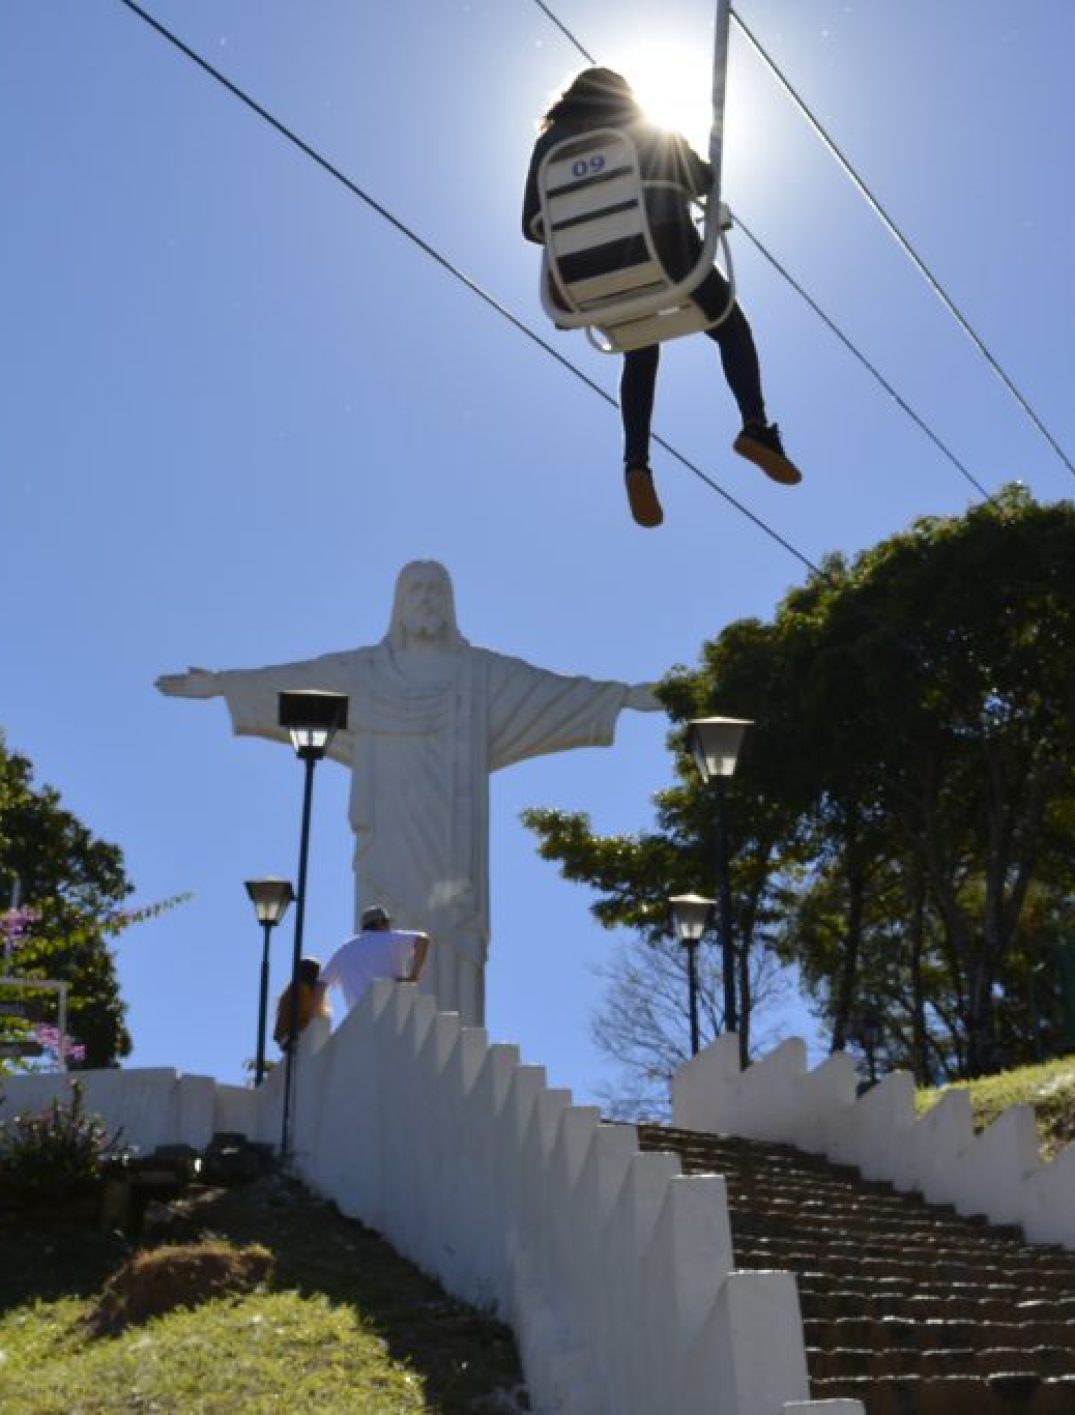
(565, 31)
(819, 572)
(800, 290)
(453, 270)
(881, 622)
(893, 230)
(897, 397)
(904, 243)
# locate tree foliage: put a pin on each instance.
(902, 820)
(72, 886)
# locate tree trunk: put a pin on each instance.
(742, 962)
(856, 890)
(981, 1037)
(919, 1048)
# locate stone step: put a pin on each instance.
(777, 1172)
(934, 1334)
(908, 1307)
(815, 1197)
(943, 1361)
(778, 1193)
(822, 1252)
(901, 1216)
(871, 1268)
(899, 1208)
(981, 1264)
(855, 1228)
(1014, 1393)
(858, 1225)
(812, 1281)
(832, 1304)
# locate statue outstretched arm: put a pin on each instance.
(534, 710)
(195, 683)
(642, 698)
(252, 694)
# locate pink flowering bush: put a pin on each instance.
(65, 1048)
(15, 925)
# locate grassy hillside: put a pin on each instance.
(339, 1323)
(1049, 1088)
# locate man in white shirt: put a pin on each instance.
(378, 951)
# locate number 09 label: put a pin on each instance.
(588, 166)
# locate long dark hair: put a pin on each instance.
(594, 97)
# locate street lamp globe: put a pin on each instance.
(714, 744)
(692, 914)
(271, 897)
(690, 919)
(312, 718)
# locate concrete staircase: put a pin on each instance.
(906, 1306)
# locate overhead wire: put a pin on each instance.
(519, 324)
(901, 240)
(565, 31)
(821, 573)
(880, 621)
(472, 285)
(853, 349)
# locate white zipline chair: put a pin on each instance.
(600, 269)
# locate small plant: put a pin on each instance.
(56, 1154)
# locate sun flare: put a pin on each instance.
(673, 85)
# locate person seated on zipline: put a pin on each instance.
(600, 98)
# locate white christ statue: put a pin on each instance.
(430, 717)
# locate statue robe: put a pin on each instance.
(420, 757)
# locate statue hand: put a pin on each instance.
(642, 698)
(195, 683)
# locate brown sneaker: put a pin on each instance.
(762, 446)
(642, 495)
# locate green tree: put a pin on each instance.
(907, 789)
(72, 887)
(967, 686)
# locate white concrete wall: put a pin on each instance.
(613, 1269)
(144, 1108)
(998, 1173)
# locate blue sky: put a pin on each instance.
(235, 402)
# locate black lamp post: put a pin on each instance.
(312, 718)
(270, 898)
(691, 916)
(714, 743)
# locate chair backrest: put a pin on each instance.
(601, 266)
(593, 212)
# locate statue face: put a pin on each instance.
(424, 607)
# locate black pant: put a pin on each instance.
(738, 357)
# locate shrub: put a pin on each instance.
(56, 1154)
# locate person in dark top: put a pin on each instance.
(599, 98)
(312, 1003)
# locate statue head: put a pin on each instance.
(423, 609)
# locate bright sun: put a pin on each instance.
(672, 83)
